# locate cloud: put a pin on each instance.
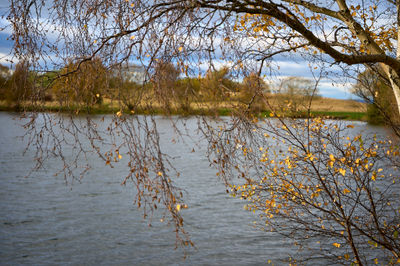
(6, 59)
(288, 65)
(341, 90)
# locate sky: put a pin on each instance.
(298, 67)
(288, 66)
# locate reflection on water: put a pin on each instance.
(44, 221)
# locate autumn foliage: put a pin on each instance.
(322, 184)
(318, 183)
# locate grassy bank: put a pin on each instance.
(362, 116)
(219, 111)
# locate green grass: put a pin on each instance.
(342, 115)
(326, 114)
(106, 109)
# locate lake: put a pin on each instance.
(46, 221)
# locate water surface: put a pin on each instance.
(44, 221)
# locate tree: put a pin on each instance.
(297, 93)
(376, 90)
(164, 82)
(124, 85)
(318, 184)
(84, 86)
(247, 33)
(253, 91)
(187, 92)
(349, 37)
(216, 85)
(4, 81)
(20, 86)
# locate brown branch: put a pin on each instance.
(314, 8)
(273, 10)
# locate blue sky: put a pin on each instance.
(289, 66)
(294, 65)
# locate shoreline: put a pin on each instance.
(99, 110)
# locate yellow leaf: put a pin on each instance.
(336, 245)
(159, 173)
(345, 191)
(119, 156)
(380, 170)
(178, 207)
(180, 49)
(373, 177)
(132, 37)
(119, 113)
(342, 171)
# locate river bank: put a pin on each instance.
(321, 107)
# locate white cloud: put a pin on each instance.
(6, 59)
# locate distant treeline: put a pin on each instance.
(91, 84)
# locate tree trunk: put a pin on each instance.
(395, 83)
(365, 38)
